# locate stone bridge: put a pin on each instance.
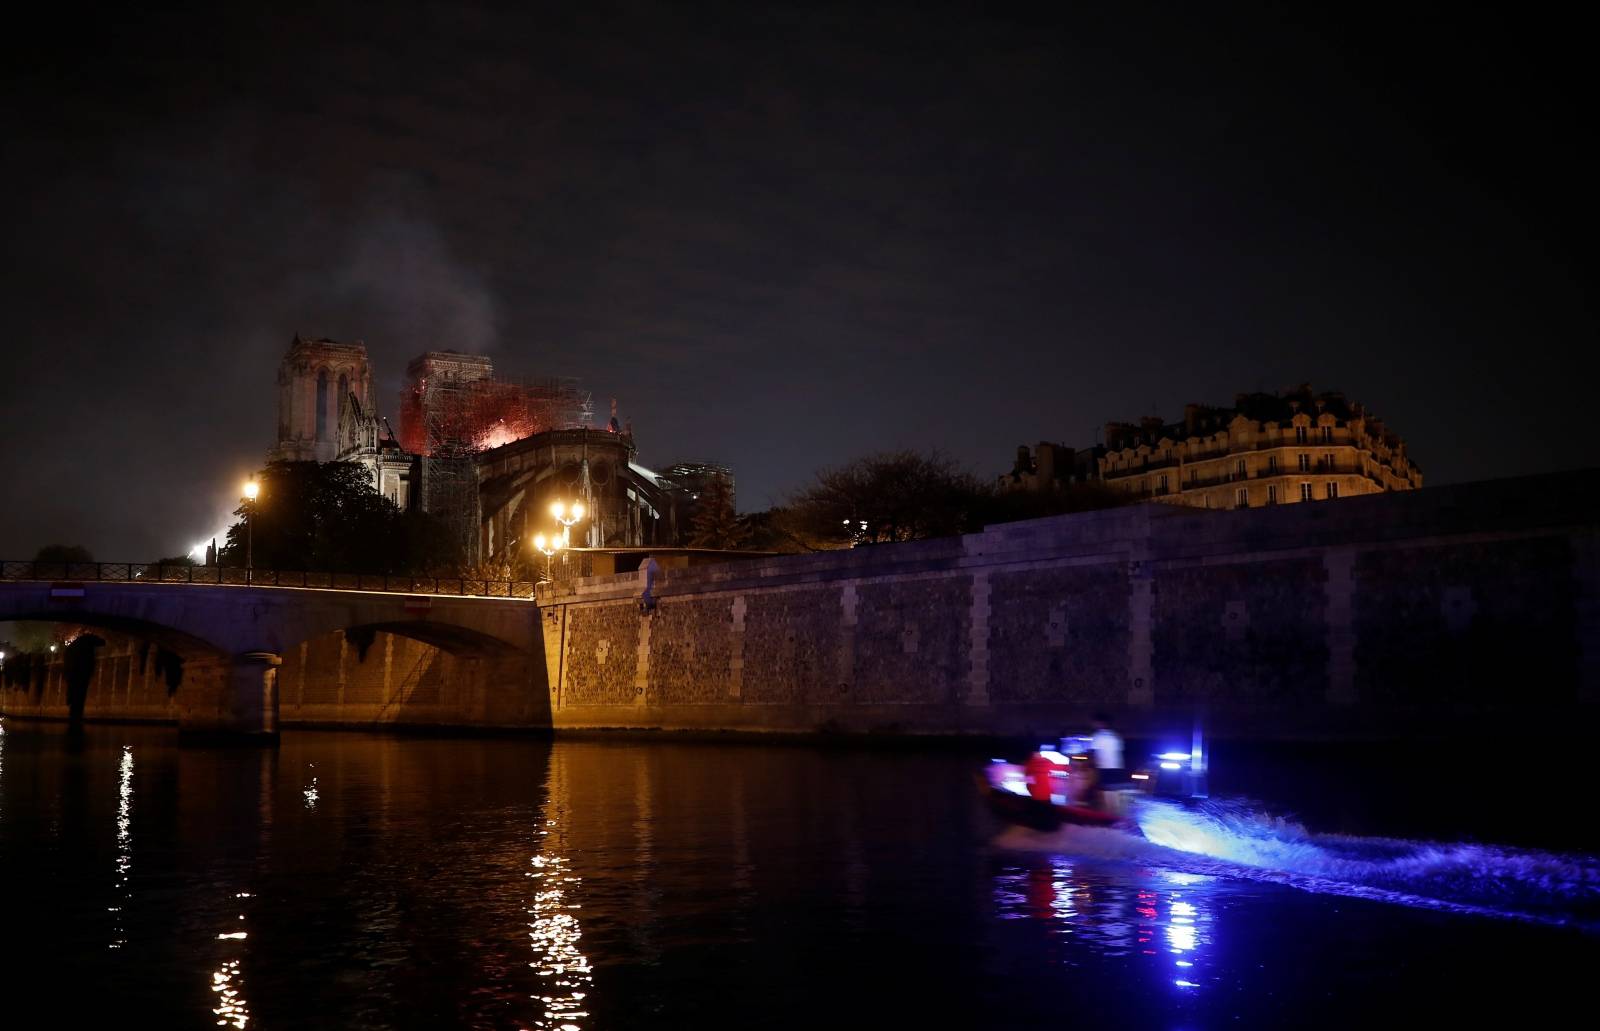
(233, 638)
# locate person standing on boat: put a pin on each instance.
(1107, 746)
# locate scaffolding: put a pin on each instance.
(454, 408)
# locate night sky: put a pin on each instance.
(783, 235)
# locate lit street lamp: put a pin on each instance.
(548, 545)
(566, 518)
(251, 489)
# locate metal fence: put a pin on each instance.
(157, 572)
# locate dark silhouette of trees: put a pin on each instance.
(328, 517)
(899, 495)
(715, 523)
(907, 496)
(63, 553)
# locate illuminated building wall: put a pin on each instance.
(482, 453)
(1268, 449)
(316, 381)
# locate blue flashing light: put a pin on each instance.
(1171, 766)
(1173, 755)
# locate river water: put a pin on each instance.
(345, 880)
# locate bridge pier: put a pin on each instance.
(238, 700)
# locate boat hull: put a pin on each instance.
(1026, 811)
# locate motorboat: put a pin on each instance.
(1058, 785)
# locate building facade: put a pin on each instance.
(316, 381)
(1050, 466)
(1267, 449)
(626, 505)
(484, 455)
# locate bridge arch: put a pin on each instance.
(183, 644)
(234, 639)
(447, 637)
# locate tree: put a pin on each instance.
(899, 496)
(328, 517)
(63, 553)
(715, 523)
(905, 496)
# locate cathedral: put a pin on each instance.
(484, 454)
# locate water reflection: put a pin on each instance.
(1156, 914)
(124, 845)
(227, 981)
(554, 927)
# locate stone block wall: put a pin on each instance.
(1479, 623)
(1241, 632)
(1058, 632)
(1319, 616)
(793, 647)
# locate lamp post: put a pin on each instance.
(566, 517)
(549, 546)
(251, 489)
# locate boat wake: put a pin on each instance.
(1239, 840)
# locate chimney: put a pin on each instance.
(1045, 463)
(1191, 418)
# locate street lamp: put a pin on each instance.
(548, 545)
(251, 489)
(566, 517)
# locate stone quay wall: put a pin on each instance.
(1387, 613)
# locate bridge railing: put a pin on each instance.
(158, 572)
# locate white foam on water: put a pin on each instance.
(1239, 840)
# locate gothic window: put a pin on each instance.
(322, 405)
(344, 392)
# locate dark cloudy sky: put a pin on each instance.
(783, 235)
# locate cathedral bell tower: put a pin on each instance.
(316, 381)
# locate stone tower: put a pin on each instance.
(316, 381)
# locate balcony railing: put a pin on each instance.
(157, 572)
